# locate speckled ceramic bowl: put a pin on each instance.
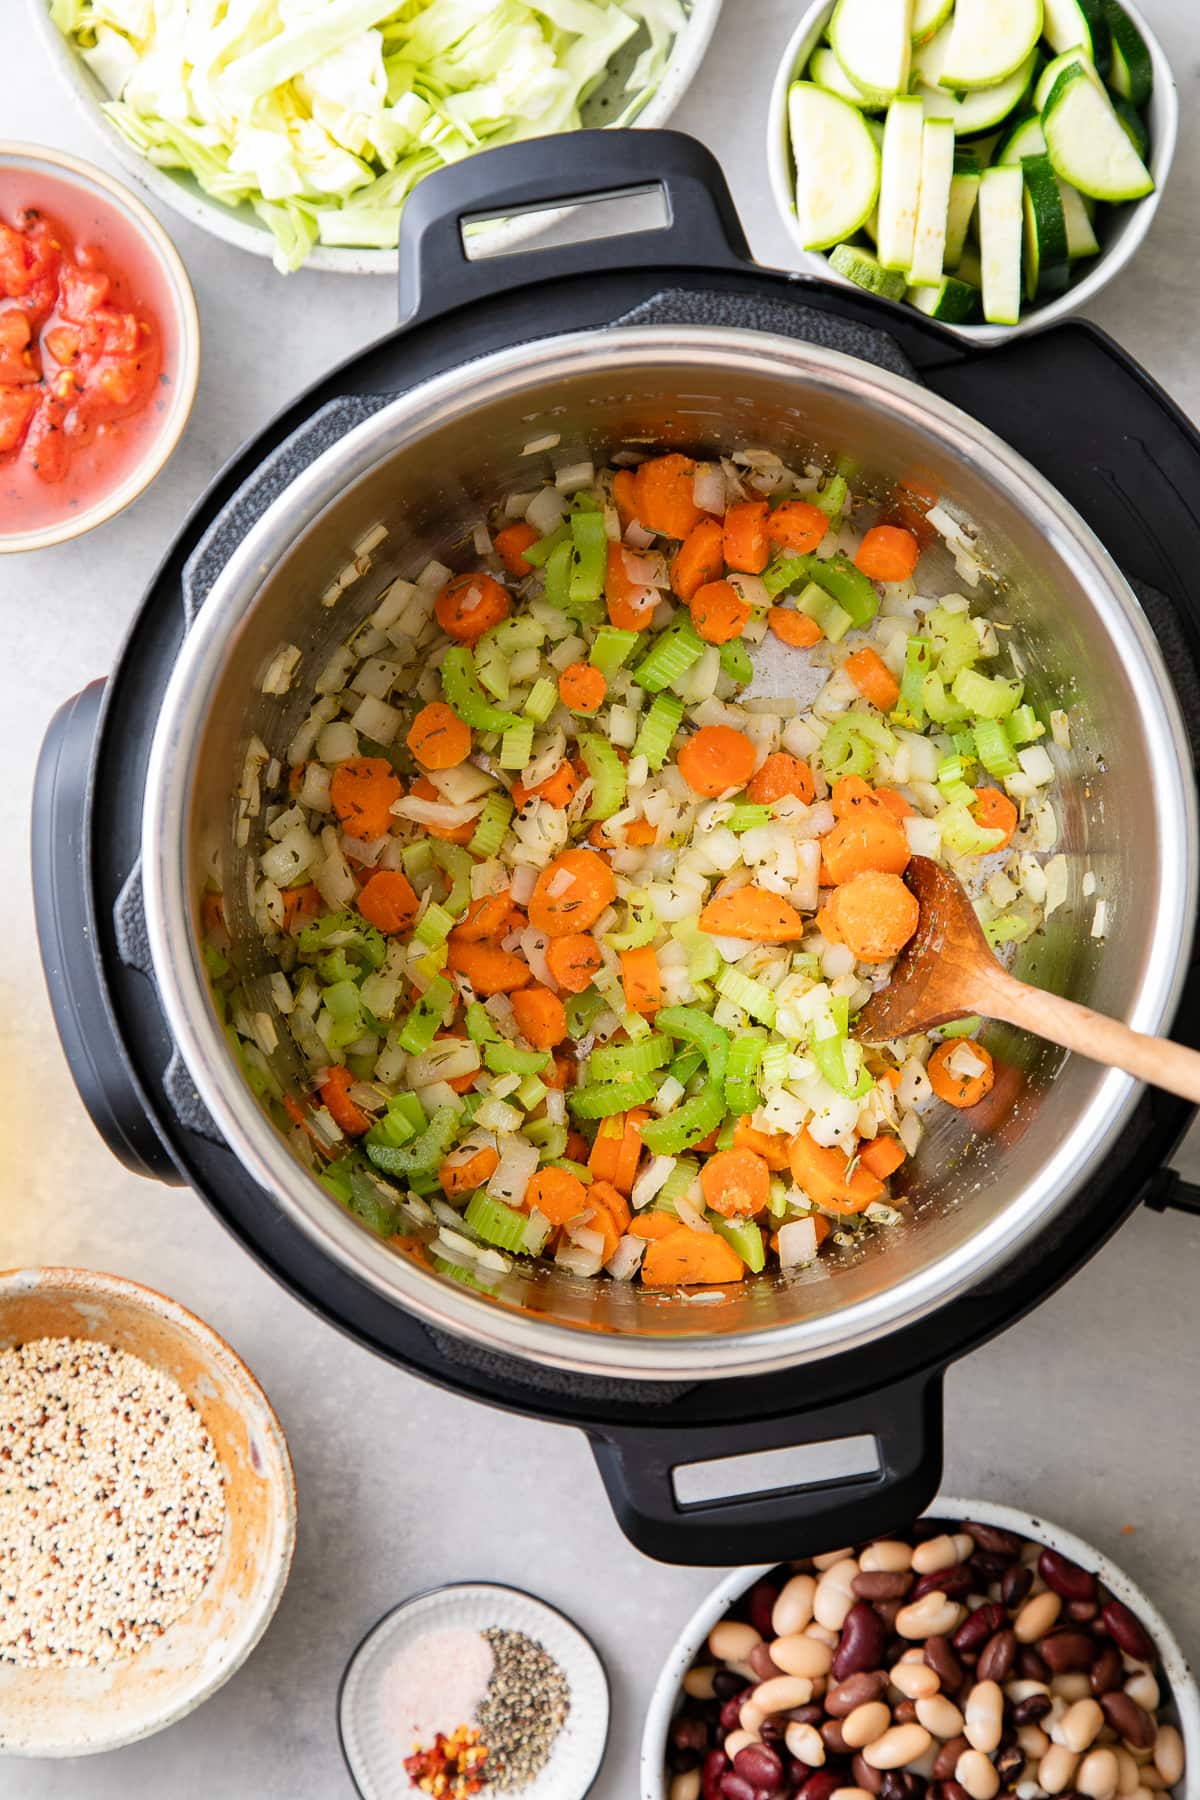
(76, 1711)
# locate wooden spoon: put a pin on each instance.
(947, 971)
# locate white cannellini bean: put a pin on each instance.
(939, 1715)
(1032, 1741)
(752, 1718)
(1024, 1690)
(1128, 1779)
(731, 1642)
(698, 1683)
(933, 1615)
(1168, 1754)
(942, 1552)
(1056, 1770)
(1036, 1617)
(916, 1681)
(806, 1744)
(737, 1740)
(829, 1558)
(794, 1607)
(686, 1787)
(984, 1716)
(1143, 1689)
(977, 1774)
(1097, 1774)
(820, 1634)
(780, 1694)
(901, 1745)
(887, 1557)
(1080, 1726)
(866, 1723)
(798, 1654)
(835, 1596)
(850, 1793)
(1071, 1688)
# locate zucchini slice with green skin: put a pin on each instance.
(972, 113)
(929, 16)
(1081, 235)
(900, 182)
(837, 165)
(860, 267)
(933, 206)
(872, 39)
(828, 73)
(989, 41)
(1078, 25)
(1131, 72)
(1047, 264)
(1088, 144)
(964, 192)
(1001, 196)
(1025, 139)
(1134, 124)
(970, 269)
(952, 301)
(1054, 69)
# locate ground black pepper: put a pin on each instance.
(523, 1711)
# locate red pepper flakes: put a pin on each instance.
(452, 1769)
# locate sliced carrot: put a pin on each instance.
(872, 839)
(571, 893)
(296, 778)
(557, 1194)
(719, 613)
(960, 1090)
(511, 545)
(874, 915)
(541, 1017)
(335, 1096)
(698, 560)
(872, 677)
(793, 627)
(423, 789)
(300, 905)
(716, 758)
(361, 793)
(487, 917)
(781, 774)
(687, 1258)
(578, 1148)
(641, 979)
(821, 1171)
(994, 811)
(558, 789)
(630, 605)
(895, 802)
(471, 604)
(488, 968)
(573, 960)
(736, 1183)
(606, 1145)
(636, 835)
(617, 1149)
(603, 1193)
(797, 527)
(602, 1222)
(650, 1225)
(663, 495)
(746, 544)
(467, 1169)
(753, 913)
(624, 493)
(773, 1150)
(882, 1156)
(887, 553)
(388, 901)
(850, 794)
(826, 924)
(708, 1144)
(297, 1114)
(438, 738)
(582, 688)
(561, 1074)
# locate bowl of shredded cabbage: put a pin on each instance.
(298, 131)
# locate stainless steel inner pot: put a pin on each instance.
(424, 466)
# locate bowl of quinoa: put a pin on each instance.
(147, 1512)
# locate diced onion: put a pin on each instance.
(626, 1259)
(708, 488)
(797, 1243)
(513, 1173)
(546, 510)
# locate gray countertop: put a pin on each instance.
(1086, 1411)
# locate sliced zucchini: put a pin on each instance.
(964, 192)
(872, 39)
(952, 301)
(1081, 236)
(929, 16)
(970, 269)
(1087, 142)
(1001, 192)
(1025, 139)
(1131, 73)
(1054, 69)
(933, 206)
(828, 73)
(1078, 25)
(900, 182)
(1134, 124)
(971, 113)
(860, 267)
(989, 41)
(837, 165)
(1047, 265)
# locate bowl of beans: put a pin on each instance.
(981, 1652)
(148, 1512)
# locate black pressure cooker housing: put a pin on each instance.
(1068, 399)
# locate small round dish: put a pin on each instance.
(1125, 233)
(375, 1749)
(79, 1710)
(1181, 1703)
(99, 211)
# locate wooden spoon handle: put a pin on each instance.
(1172, 1067)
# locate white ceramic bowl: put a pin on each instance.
(77, 1710)
(1181, 1703)
(1124, 233)
(238, 225)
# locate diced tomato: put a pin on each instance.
(46, 442)
(81, 291)
(63, 343)
(16, 410)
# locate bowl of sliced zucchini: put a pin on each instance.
(992, 163)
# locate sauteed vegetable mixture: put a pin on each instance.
(569, 902)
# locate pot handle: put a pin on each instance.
(702, 228)
(641, 1467)
(66, 930)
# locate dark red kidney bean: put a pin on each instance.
(681, 1761)
(1030, 1666)
(1069, 1652)
(991, 1537)
(715, 1765)
(759, 1764)
(760, 1604)
(979, 1626)
(882, 1584)
(689, 1734)
(856, 1690)
(1108, 1671)
(736, 1787)
(761, 1663)
(904, 1712)
(1010, 1762)
(1129, 1720)
(1015, 1584)
(820, 1784)
(1032, 1709)
(831, 1736)
(1082, 1612)
(988, 1566)
(865, 1776)
(997, 1657)
(954, 1582)
(812, 1714)
(927, 1528)
(726, 1684)
(901, 1784)
(951, 1790)
(1127, 1631)
(771, 1731)
(941, 1658)
(887, 1610)
(1066, 1577)
(946, 1760)
(861, 1644)
(730, 1712)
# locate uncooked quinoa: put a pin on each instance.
(111, 1503)
(523, 1711)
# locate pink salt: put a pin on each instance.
(436, 1685)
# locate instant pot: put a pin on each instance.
(705, 1412)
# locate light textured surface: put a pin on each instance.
(1085, 1411)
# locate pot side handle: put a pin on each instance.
(702, 228)
(641, 1467)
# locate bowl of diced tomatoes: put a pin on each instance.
(99, 347)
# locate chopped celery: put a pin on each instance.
(688, 1125)
(581, 1009)
(988, 696)
(540, 553)
(425, 1019)
(642, 928)
(417, 858)
(426, 1154)
(589, 558)
(531, 1093)
(658, 728)
(956, 1028)
(558, 574)
(608, 776)
(840, 1061)
(346, 932)
(954, 640)
(748, 817)
(456, 863)
(504, 1058)
(850, 745)
(995, 749)
(848, 586)
(612, 648)
(372, 1205)
(612, 1061)
(686, 1170)
(465, 696)
(336, 1176)
(704, 959)
(1023, 726)
(216, 964)
(962, 835)
(491, 669)
(343, 1000)
(515, 633)
(833, 618)
(735, 661)
(741, 1087)
(670, 656)
(831, 499)
(964, 745)
(787, 572)
(952, 772)
(600, 1099)
(402, 1121)
(686, 1065)
(942, 708)
(695, 1027)
(747, 993)
(495, 1222)
(543, 698)
(773, 1068)
(746, 1238)
(435, 925)
(910, 708)
(491, 827)
(516, 746)
(1009, 928)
